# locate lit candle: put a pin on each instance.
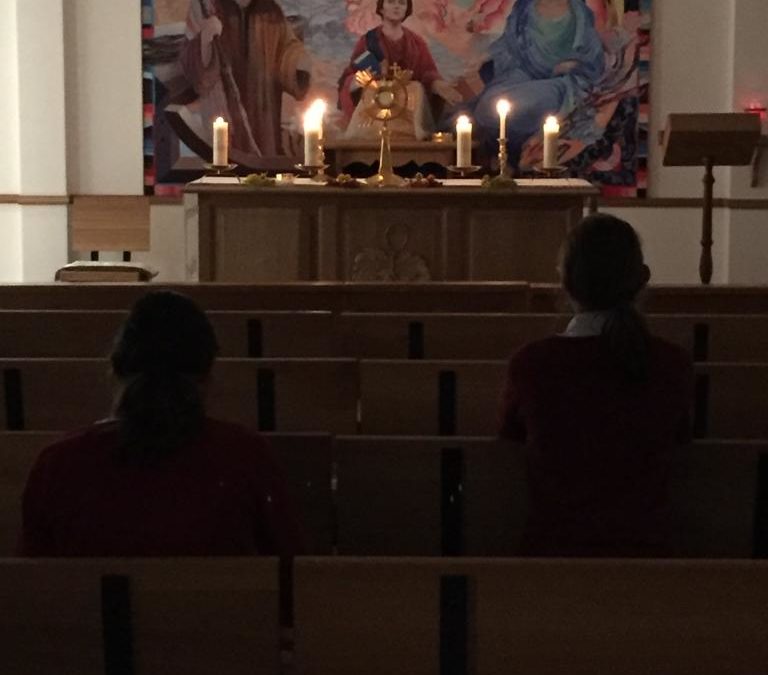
(551, 132)
(313, 134)
(319, 106)
(463, 141)
(220, 142)
(503, 107)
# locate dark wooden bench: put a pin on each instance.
(426, 616)
(457, 496)
(706, 337)
(267, 394)
(331, 296)
(90, 333)
(91, 617)
(669, 299)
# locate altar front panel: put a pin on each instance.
(326, 234)
(500, 244)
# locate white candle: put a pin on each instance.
(220, 142)
(313, 134)
(551, 132)
(503, 107)
(463, 141)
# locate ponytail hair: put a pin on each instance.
(603, 270)
(161, 357)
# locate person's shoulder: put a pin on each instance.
(233, 437)
(539, 350)
(79, 443)
(239, 449)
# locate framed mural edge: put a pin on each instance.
(259, 63)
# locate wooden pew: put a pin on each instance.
(718, 492)
(374, 616)
(484, 297)
(731, 401)
(408, 397)
(81, 333)
(467, 496)
(429, 398)
(307, 460)
(385, 615)
(447, 398)
(669, 299)
(331, 296)
(435, 496)
(429, 496)
(91, 617)
(441, 336)
(267, 394)
(629, 617)
(707, 337)
(716, 337)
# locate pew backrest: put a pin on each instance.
(90, 617)
(530, 616)
(90, 333)
(264, 394)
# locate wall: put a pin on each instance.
(104, 114)
(748, 261)
(34, 238)
(707, 56)
(9, 101)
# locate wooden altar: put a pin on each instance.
(309, 232)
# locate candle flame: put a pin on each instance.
(552, 124)
(219, 120)
(503, 107)
(313, 116)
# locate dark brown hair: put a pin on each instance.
(602, 269)
(162, 354)
(408, 11)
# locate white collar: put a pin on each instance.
(586, 324)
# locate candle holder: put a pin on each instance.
(222, 171)
(316, 172)
(550, 172)
(464, 171)
(504, 171)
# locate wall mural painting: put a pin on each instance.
(259, 63)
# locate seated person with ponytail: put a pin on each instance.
(160, 478)
(600, 409)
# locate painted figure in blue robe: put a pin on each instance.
(548, 61)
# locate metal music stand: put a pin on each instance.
(710, 140)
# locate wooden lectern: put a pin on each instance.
(709, 140)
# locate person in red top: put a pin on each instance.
(389, 44)
(160, 478)
(600, 408)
